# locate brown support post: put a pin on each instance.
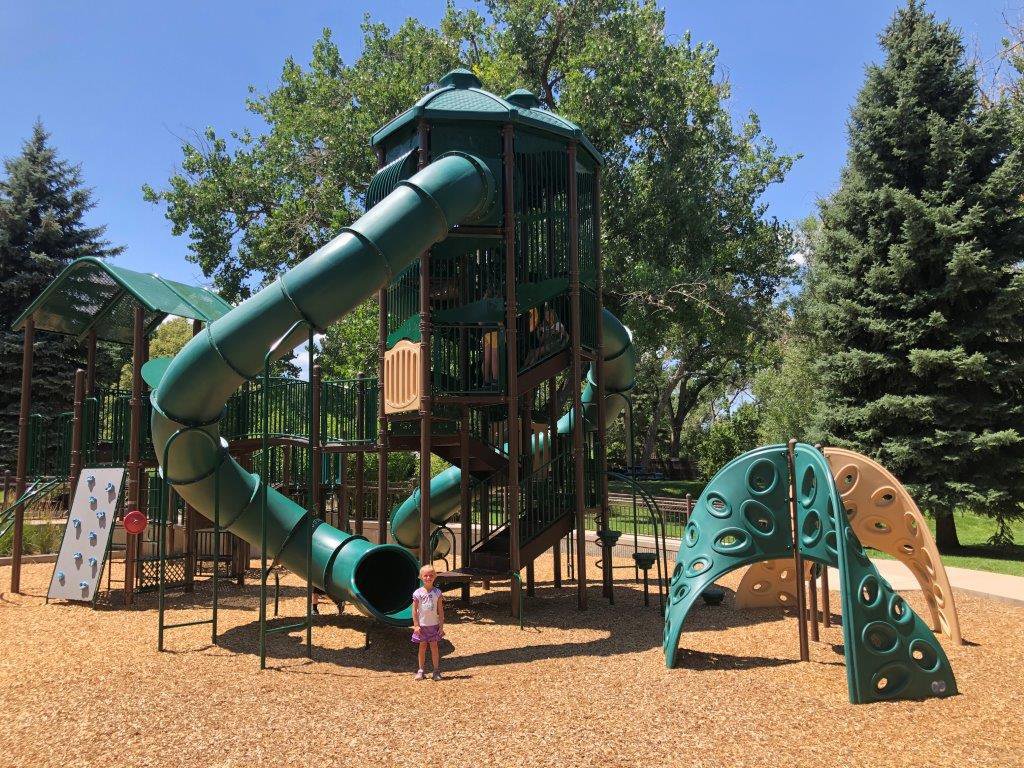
(512, 361)
(134, 449)
(382, 419)
(315, 379)
(76, 431)
(798, 559)
(602, 452)
(576, 381)
(343, 515)
(426, 555)
(826, 610)
(813, 594)
(465, 508)
(552, 438)
(21, 467)
(90, 362)
(360, 457)
(7, 487)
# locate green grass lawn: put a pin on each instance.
(974, 530)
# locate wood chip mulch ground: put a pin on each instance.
(82, 687)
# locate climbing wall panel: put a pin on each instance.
(890, 652)
(770, 584)
(83, 550)
(885, 517)
(740, 518)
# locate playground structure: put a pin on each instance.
(781, 503)
(481, 242)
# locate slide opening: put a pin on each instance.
(386, 577)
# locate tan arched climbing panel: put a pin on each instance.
(403, 386)
(884, 517)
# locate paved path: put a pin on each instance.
(998, 586)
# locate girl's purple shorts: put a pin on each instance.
(429, 634)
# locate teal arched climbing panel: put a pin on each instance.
(890, 652)
(741, 518)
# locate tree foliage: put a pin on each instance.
(919, 297)
(43, 204)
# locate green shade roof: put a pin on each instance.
(92, 294)
(460, 97)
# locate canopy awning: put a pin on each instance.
(90, 294)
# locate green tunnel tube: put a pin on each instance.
(195, 386)
(619, 358)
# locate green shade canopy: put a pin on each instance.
(90, 294)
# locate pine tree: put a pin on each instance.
(42, 230)
(918, 296)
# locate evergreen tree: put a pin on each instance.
(918, 295)
(42, 207)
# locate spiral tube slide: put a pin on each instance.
(619, 358)
(194, 388)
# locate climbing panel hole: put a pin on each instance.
(718, 506)
(924, 655)
(762, 476)
(808, 487)
(810, 529)
(677, 572)
(692, 534)
(698, 566)
(880, 526)
(784, 574)
(759, 518)
(937, 594)
(760, 587)
(679, 591)
(880, 637)
(900, 612)
(926, 560)
(731, 541)
(870, 591)
(944, 625)
(884, 496)
(890, 680)
(851, 510)
(911, 522)
(786, 599)
(907, 549)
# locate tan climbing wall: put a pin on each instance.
(884, 517)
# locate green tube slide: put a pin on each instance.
(445, 487)
(191, 390)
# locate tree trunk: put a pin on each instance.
(946, 538)
(659, 410)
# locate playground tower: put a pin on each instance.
(484, 339)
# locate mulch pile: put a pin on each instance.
(80, 687)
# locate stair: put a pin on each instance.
(484, 459)
(492, 554)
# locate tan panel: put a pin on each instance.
(403, 385)
(885, 517)
(769, 584)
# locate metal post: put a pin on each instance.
(465, 514)
(801, 603)
(360, 457)
(134, 448)
(813, 594)
(512, 361)
(21, 468)
(382, 419)
(76, 431)
(315, 453)
(313, 480)
(576, 381)
(826, 618)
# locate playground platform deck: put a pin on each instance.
(88, 688)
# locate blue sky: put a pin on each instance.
(118, 83)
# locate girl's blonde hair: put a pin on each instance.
(425, 568)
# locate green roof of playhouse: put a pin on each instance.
(90, 294)
(461, 97)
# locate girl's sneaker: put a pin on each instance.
(436, 675)
(419, 674)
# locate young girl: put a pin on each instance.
(428, 619)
